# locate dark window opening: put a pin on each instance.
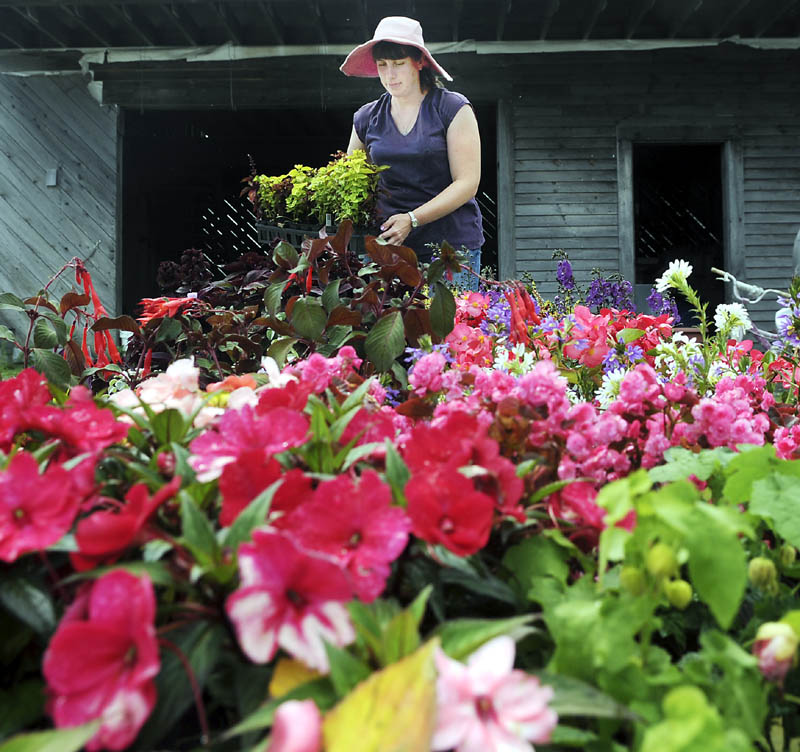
(182, 172)
(677, 191)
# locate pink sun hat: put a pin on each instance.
(397, 29)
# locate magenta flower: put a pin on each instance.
(37, 509)
(487, 705)
(297, 727)
(289, 599)
(356, 524)
(240, 431)
(102, 660)
(26, 390)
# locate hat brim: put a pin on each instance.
(360, 63)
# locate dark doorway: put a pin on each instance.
(182, 173)
(677, 194)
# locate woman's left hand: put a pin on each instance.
(396, 229)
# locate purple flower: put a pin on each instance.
(564, 275)
(661, 303)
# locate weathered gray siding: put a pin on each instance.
(45, 123)
(569, 109)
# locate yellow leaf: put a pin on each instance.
(394, 710)
(288, 675)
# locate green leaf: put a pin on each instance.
(272, 297)
(346, 670)
(285, 255)
(251, 517)
(280, 348)
(397, 472)
(535, 557)
(60, 740)
(777, 499)
(309, 318)
(6, 333)
(200, 645)
(359, 452)
(330, 297)
(21, 705)
(9, 301)
(29, 603)
(168, 330)
(53, 366)
(682, 463)
(44, 335)
(748, 466)
(627, 336)
(169, 426)
(356, 397)
(575, 698)
(386, 341)
(717, 565)
(443, 310)
(198, 534)
(462, 637)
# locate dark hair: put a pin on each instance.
(395, 51)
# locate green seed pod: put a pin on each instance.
(788, 555)
(633, 580)
(679, 593)
(661, 561)
(762, 573)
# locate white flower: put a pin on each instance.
(609, 389)
(274, 375)
(732, 317)
(676, 275)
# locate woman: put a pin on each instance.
(427, 136)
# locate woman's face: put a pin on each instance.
(399, 77)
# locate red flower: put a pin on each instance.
(102, 660)
(18, 395)
(294, 396)
(159, 308)
(37, 509)
(243, 480)
(103, 536)
(445, 508)
(290, 599)
(355, 523)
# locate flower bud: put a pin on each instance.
(788, 555)
(762, 573)
(775, 647)
(679, 593)
(632, 579)
(661, 561)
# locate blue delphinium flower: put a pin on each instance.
(661, 303)
(564, 275)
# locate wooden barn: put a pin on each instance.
(623, 132)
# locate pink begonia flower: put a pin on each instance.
(289, 599)
(775, 647)
(426, 375)
(487, 705)
(38, 509)
(103, 658)
(297, 727)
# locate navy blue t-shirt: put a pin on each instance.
(419, 168)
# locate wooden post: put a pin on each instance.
(506, 245)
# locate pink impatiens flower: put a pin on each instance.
(102, 660)
(37, 509)
(289, 599)
(776, 649)
(487, 705)
(297, 727)
(356, 524)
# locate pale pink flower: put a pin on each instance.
(775, 647)
(426, 375)
(487, 705)
(297, 727)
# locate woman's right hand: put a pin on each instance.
(395, 229)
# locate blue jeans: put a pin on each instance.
(464, 280)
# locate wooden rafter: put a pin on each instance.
(549, 12)
(689, 10)
(320, 21)
(178, 19)
(598, 7)
(228, 22)
(637, 14)
(502, 15)
(33, 18)
(723, 24)
(15, 36)
(77, 14)
(771, 19)
(272, 22)
(458, 5)
(125, 15)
